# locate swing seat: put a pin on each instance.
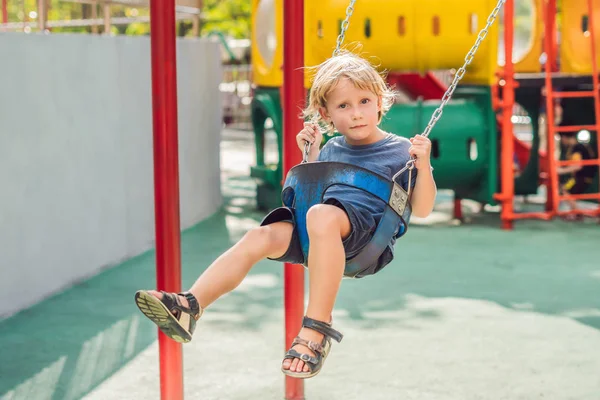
(306, 184)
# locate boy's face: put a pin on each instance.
(354, 113)
(566, 140)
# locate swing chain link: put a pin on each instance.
(344, 27)
(437, 114)
(461, 72)
(306, 152)
(338, 46)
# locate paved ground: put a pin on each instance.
(463, 313)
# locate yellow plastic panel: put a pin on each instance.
(446, 31)
(399, 35)
(576, 46)
(530, 61)
(393, 49)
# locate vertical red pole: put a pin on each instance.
(551, 47)
(458, 214)
(593, 31)
(166, 182)
(4, 11)
(293, 101)
(508, 101)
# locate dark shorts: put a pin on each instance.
(576, 186)
(362, 229)
(580, 187)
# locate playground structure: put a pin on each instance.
(465, 109)
(476, 160)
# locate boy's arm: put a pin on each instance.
(422, 198)
(310, 134)
(424, 192)
(313, 155)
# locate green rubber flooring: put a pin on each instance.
(464, 312)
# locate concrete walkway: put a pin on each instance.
(463, 313)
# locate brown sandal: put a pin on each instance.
(321, 350)
(174, 320)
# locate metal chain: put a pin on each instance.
(340, 41)
(306, 152)
(344, 27)
(437, 114)
(459, 75)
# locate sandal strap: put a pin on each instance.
(322, 327)
(307, 358)
(172, 302)
(194, 306)
(314, 346)
(169, 300)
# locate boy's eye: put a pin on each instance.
(364, 101)
(342, 105)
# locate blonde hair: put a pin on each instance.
(353, 67)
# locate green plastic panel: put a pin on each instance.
(464, 140)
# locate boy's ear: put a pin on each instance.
(324, 114)
(379, 103)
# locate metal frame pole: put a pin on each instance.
(508, 101)
(293, 100)
(42, 15)
(4, 11)
(596, 84)
(550, 46)
(166, 182)
(94, 17)
(106, 15)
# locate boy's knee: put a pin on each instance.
(324, 218)
(264, 238)
(258, 234)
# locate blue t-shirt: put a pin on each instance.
(385, 157)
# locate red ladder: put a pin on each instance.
(554, 196)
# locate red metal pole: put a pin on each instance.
(4, 11)
(293, 101)
(458, 214)
(552, 201)
(593, 31)
(508, 101)
(166, 182)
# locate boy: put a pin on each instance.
(575, 179)
(349, 96)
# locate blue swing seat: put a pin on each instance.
(305, 186)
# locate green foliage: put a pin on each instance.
(137, 29)
(58, 10)
(230, 17)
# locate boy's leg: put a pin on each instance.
(228, 271)
(327, 226)
(579, 187)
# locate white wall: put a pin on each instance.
(76, 159)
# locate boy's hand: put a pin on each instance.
(312, 134)
(421, 150)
